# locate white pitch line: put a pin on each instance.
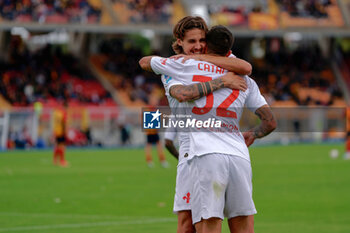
(82, 225)
(51, 215)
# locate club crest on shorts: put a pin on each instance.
(187, 197)
(151, 120)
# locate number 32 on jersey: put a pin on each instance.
(222, 109)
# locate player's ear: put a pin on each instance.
(179, 42)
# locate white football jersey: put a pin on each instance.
(225, 105)
(177, 108)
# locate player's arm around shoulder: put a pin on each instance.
(233, 64)
(230, 63)
(185, 93)
(161, 65)
(145, 63)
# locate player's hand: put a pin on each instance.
(249, 138)
(234, 81)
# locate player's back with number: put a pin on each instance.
(225, 105)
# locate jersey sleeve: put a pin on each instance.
(254, 100)
(170, 70)
(169, 81)
(166, 66)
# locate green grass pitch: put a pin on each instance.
(297, 189)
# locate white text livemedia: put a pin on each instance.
(209, 123)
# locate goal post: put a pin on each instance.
(4, 129)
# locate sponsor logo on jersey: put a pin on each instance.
(167, 79)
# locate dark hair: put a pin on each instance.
(219, 40)
(185, 24)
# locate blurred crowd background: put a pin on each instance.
(86, 52)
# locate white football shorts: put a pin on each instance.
(182, 190)
(222, 187)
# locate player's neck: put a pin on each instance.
(213, 54)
